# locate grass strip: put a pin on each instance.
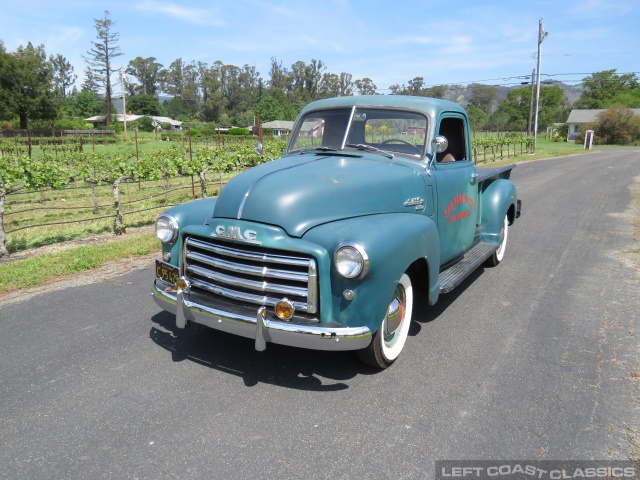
(42, 269)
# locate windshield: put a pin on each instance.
(387, 130)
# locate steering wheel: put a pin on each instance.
(399, 140)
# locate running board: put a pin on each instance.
(472, 259)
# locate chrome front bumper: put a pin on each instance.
(260, 328)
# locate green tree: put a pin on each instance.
(305, 81)
(554, 107)
(605, 88)
(101, 55)
(513, 113)
(313, 77)
(279, 78)
(181, 81)
(270, 109)
(238, 87)
(629, 98)
(483, 97)
(397, 89)
(91, 82)
(84, 104)
(365, 86)
(499, 120)
(26, 85)
(330, 85)
(213, 100)
(477, 117)
(417, 88)
(63, 76)
(145, 105)
(147, 72)
(437, 91)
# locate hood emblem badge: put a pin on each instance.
(235, 233)
(415, 202)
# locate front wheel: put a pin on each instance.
(498, 255)
(389, 340)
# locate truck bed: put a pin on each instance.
(491, 172)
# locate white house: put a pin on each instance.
(577, 118)
(279, 127)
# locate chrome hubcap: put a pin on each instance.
(395, 314)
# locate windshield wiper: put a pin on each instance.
(370, 148)
(321, 149)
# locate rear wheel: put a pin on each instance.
(498, 255)
(389, 340)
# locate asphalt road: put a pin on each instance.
(535, 359)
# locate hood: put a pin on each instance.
(301, 192)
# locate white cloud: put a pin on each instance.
(196, 16)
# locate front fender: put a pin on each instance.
(196, 212)
(393, 242)
(498, 198)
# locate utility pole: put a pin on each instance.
(541, 36)
(530, 122)
(124, 104)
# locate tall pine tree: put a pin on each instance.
(101, 55)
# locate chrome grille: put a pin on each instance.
(251, 274)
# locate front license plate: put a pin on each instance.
(167, 272)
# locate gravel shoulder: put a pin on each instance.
(110, 270)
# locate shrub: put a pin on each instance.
(194, 125)
(172, 137)
(563, 130)
(166, 126)
(146, 124)
(618, 125)
(239, 131)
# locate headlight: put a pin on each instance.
(167, 228)
(351, 260)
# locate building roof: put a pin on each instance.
(591, 115)
(279, 124)
(132, 118)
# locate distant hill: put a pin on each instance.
(116, 102)
(462, 94)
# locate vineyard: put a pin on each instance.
(492, 148)
(55, 189)
(64, 193)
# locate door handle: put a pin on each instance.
(473, 177)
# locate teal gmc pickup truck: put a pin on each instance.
(375, 200)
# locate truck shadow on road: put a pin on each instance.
(423, 313)
(278, 365)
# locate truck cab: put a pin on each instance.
(375, 200)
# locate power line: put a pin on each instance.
(526, 77)
(591, 54)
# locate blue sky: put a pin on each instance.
(455, 42)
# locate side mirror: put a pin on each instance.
(258, 149)
(440, 144)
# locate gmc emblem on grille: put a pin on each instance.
(234, 233)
